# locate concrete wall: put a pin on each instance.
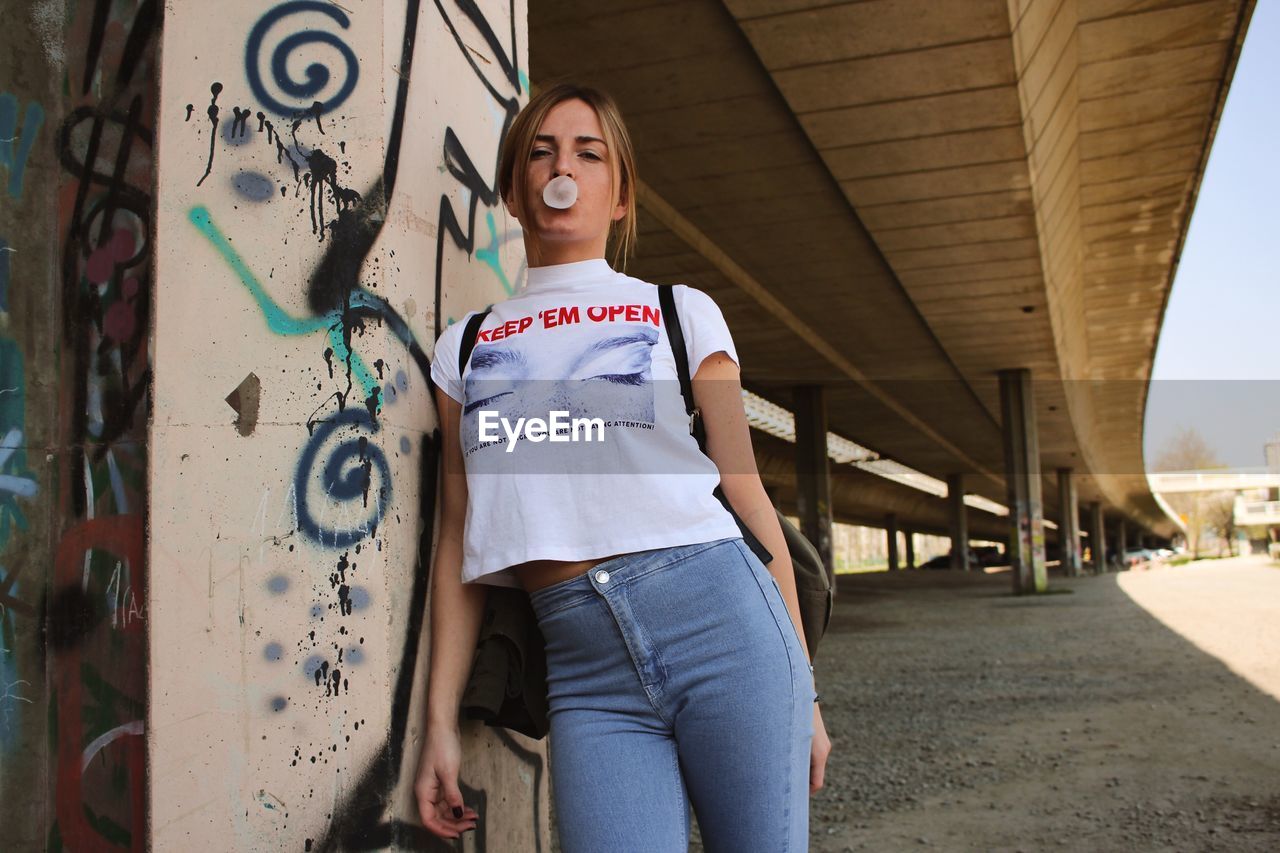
(303, 267)
(77, 101)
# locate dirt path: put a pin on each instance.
(1129, 712)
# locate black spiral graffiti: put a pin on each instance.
(301, 96)
(348, 476)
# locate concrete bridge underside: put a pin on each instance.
(898, 198)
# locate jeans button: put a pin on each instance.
(602, 576)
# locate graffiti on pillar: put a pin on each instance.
(97, 632)
(19, 128)
(342, 305)
(17, 486)
(95, 614)
(301, 76)
(482, 188)
(267, 60)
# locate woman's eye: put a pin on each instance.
(622, 378)
(538, 152)
(591, 155)
(471, 407)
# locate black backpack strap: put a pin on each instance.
(675, 335)
(469, 339)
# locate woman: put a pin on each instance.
(677, 667)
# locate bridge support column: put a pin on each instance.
(959, 521)
(909, 539)
(1022, 475)
(813, 472)
(891, 539)
(1122, 541)
(1097, 539)
(1069, 523)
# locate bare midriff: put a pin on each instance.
(536, 574)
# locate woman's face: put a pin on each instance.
(570, 142)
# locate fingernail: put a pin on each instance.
(457, 812)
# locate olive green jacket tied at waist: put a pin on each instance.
(508, 685)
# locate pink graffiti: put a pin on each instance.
(103, 260)
(121, 321)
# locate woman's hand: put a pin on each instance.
(436, 786)
(818, 752)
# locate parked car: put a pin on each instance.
(988, 555)
(979, 557)
(1137, 556)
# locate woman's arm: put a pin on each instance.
(717, 392)
(456, 609)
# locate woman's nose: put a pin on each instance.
(563, 165)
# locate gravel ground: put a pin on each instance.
(1134, 711)
(964, 718)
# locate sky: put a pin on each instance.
(1217, 366)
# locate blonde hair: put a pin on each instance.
(518, 145)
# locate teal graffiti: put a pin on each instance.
(490, 256)
(15, 479)
(15, 147)
(279, 320)
(5, 251)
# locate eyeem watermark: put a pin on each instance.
(557, 427)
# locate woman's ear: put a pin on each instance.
(624, 202)
(513, 208)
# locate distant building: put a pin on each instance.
(1257, 511)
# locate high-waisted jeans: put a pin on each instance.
(675, 676)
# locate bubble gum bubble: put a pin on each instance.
(560, 193)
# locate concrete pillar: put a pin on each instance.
(1122, 541)
(1022, 476)
(1097, 538)
(909, 538)
(1069, 522)
(959, 521)
(891, 535)
(335, 477)
(813, 471)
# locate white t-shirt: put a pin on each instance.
(581, 343)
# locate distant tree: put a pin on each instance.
(1220, 515)
(1187, 450)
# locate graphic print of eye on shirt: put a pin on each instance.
(586, 361)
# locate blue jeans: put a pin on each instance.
(675, 676)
